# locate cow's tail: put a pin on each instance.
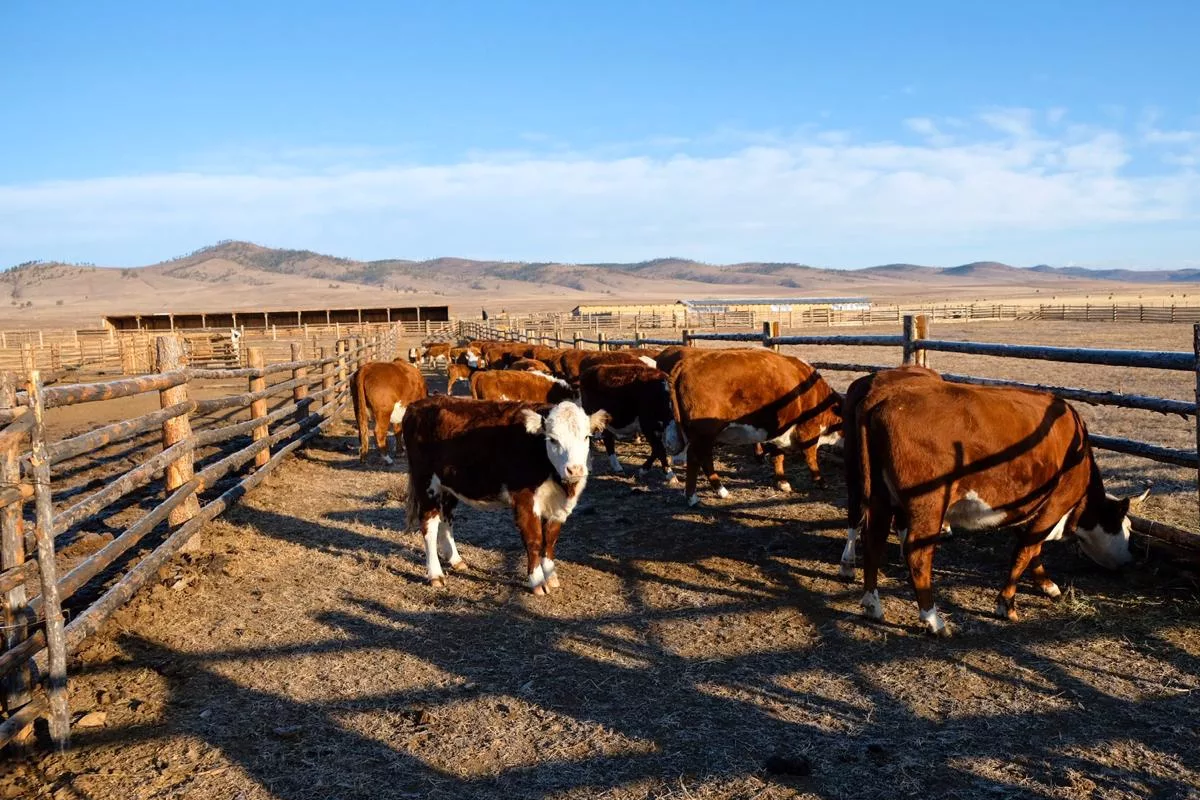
(673, 439)
(412, 514)
(359, 397)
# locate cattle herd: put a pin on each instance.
(921, 456)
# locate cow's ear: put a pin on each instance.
(533, 421)
(599, 420)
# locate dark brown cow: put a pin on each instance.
(532, 387)
(978, 457)
(860, 397)
(748, 396)
(541, 352)
(499, 355)
(384, 389)
(531, 458)
(668, 357)
(529, 365)
(636, 397)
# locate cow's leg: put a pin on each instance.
(397, 440)
(1048, 586)
(925, 528)
(781, 481)
(550, 531)
(846, 567)
(714, 480)
(610, 447)
(430, 523)
(447, 549)
(1028, 548)
(814, 469)
(760, 452)
(874, 546)
(693, 472)
(530, 526)
(382, 425)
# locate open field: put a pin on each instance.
(299, 653)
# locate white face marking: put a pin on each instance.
(433, 567)
(397, 414)
(973, 513)
(614, 463)
(737, 433)
(674, 441)
(1106, 549)
(567, 430)
(872, 606)
(935, 621)
(1059, 528)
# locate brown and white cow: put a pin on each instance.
(745, 397)
(467, 356)
(455, 373)
(860, 397)
(531, 458)
(978, 457)
(499, 355)
(636, 397)
(384, 389)
(532, 387)
(435, 350)
(529, 365)
(595, 359)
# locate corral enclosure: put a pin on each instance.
(299, 653)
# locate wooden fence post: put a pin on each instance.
(910, 332)
(56, 645)
(12, 554)
(258, 408)
(327, 377)
(600, 340)
(578, 341)
(339, 350)
(686, 338)
(28, 359)
(175, 430)
(300, 390)
(922, 332)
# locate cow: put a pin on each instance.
(499, 355)
(467, 356)
(533, 387)
(528, 365)
(384, 389)
(456, 373)
(541, 352)
(748, 396)
(636, 397)
(435, 350)
(414, 355)
(979, 457)
(668, 357)
(532, 458)
(860, 396)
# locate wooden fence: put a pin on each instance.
(191, 460)
(914, 343)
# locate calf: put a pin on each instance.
(635, 396)
(981, 457)
(384, 389)
(529, 365)
(436, 350)
(456, 373)
(532, 387)
(531, 458)
(860, 397)
(748, 396)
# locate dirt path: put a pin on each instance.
(301, 655)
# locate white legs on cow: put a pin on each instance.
(872, 606)
(615, 464)
(935, 621)
(447, 549)
(846, 568)
(433, 567)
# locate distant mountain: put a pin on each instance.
(1123, 275)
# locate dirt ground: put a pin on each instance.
(691, 653)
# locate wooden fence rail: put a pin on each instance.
(192, 455)
(915, 343)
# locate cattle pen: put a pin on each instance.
(198, 444)
(915, 342)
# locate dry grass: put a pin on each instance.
(303, 656)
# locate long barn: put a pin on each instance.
(265, 318)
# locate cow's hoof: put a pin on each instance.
(722, 492)
(1051, 590)
(935, 623)
(438, 582)
(553, 582)
(783, 486)
(693, 501)
(673, 482)
(872, 606)
(388, 460)
(539, 590)
(1006, 611)
(460, 565)
(846, 570)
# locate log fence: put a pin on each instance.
(914, 343)
(190, 467)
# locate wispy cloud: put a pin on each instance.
(766, 194)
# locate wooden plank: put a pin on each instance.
(848, 340)
(1167, 455)
(17, 684)
(1165, 533)
(110, 390)
(1142, 402)
(86, 442)
(52, 618)
(1073, 355)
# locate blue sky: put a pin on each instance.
(833, 134)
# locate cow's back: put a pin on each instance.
(618, 388)
(390, 382)
(532, 387)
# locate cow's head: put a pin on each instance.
(566, 429)
(472, 358)
(1103, 529)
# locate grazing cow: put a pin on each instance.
(747, 396)
(635, 397)
(860, 397)
(532, 387)
(980, 457)
(532, 458)
(384, 389)
(529, 365)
